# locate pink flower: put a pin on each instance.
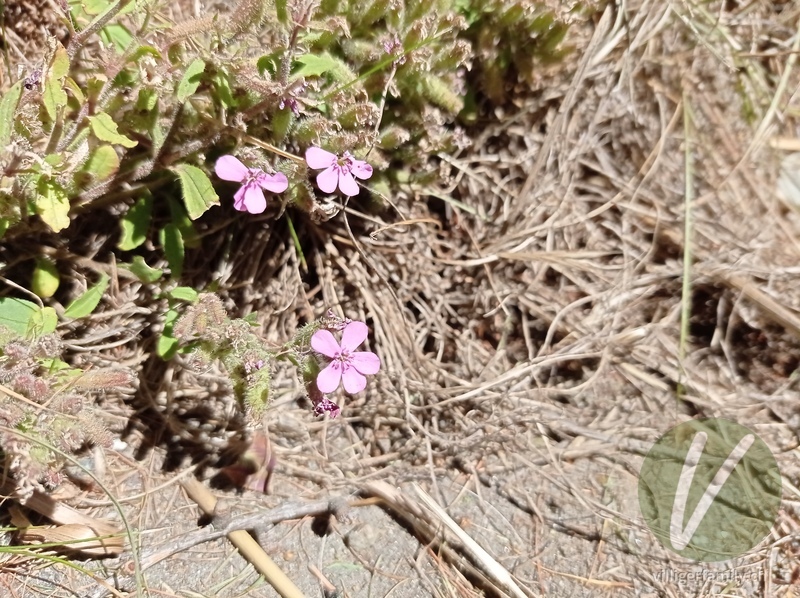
(347, 365)
(338, 171)
(321, 403)
(327, 406)
(250, 197)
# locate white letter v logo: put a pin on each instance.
(678, 535)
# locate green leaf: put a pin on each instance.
(77, 93)
(43, 321)
(105, 129)
(172, 241)
(45, 278)
(142, 50)
(26, 318)
(142, 271)
(95, 86)
(184, 294)
(53, 94)
(135, 224)
(181, 219)
(59, 67)
(52, 204)
(16, 314)
(54, 365)
(224, 91)
(314, 66)
(191, 79)
(117, 35)
(8, 109)
(102, 163)
(198, 192)
(89, 300)
(5, 223)
(281, 12)
(147, 100)
(167, 345)
(92, 7)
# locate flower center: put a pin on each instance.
(343, 359)
(344, 164)
(253, 176)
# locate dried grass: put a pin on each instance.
(531, 339)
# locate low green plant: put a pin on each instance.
(44, 402)
(133, 113)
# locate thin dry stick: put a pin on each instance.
(494, 569)
(424, 524)
(245, 543)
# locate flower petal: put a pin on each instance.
(254, 200)
(366, 362)
(329, 378)
(327, 180)
(238, 199)
(352, 381)
(348, 184)
(316, 157)
(361, 169)
(353, 335)
(229, 168)
(277, 183)
(322, 341)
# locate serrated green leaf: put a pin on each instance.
(5, 223)
(198, 192)
(191, 79)
(102, 163)
(52, 204)
(172, 241)
(105, 129)
(43, 321)
(135, 224)
(8, 109)
(316, 65)
(142, 271)
(89, 300)
(184, 294)
(45, 278)
(16, 314)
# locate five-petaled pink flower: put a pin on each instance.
(338, 171)
(250, 197)
(347, 365)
